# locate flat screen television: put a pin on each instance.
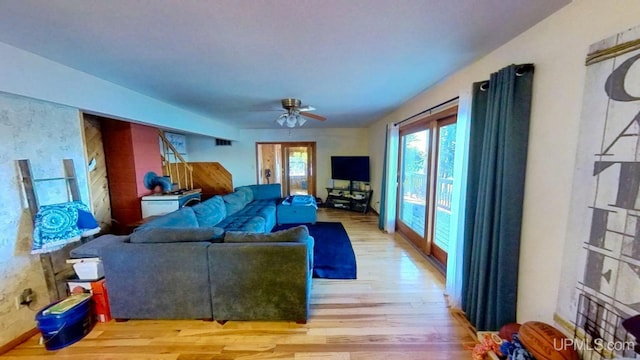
(352, 168)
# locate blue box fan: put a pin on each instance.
(152, 180)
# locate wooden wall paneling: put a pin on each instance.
(97, 177)
(277, 165)
(118, 148)
(267, 161)
(212, 178)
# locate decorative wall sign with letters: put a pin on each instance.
(605, 208)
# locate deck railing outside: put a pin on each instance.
(444, 192)
(414, 189)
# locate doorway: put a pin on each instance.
(292, 164)
(425, 170)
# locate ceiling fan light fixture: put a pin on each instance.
(291, 121)
(281, 119)
(301, 120)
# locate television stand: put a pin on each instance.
(350, 199)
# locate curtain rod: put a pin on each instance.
(427, 110)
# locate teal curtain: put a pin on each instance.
(495, 189)
(383, 187)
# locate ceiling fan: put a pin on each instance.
(295, 113)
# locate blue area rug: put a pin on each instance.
(333, 256)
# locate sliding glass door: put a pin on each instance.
(427, 149)
(414, 175)
(443, 189)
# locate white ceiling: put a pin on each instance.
(354, 60)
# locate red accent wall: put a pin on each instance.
(146, 154)
(131, 150)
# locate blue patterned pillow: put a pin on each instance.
(59, 224)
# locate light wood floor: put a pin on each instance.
(394, 310)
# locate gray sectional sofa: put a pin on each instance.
(215, 260)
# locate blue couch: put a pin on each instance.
(216, 260)
(249, 208)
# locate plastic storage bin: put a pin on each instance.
(89, 270)
(62, 330)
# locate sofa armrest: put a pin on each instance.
(261, 281)
(158, 281)
(93, 248)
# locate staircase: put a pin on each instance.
(174, 165)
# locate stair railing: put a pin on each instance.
(174, 165)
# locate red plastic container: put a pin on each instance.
(101, 299)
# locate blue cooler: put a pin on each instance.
(62, 330)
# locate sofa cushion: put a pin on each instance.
(243, 223)
(233, 202)
(295, 234)
(173, 235)
(210, 212)
(92, 248)
(257, 209)
(182, 218)
(247, 192)
(262, 208)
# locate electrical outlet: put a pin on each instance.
(25, 299)
(29, 298)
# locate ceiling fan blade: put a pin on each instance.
(306, 108)
(313, 116)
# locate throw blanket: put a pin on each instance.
(60, 224)
(300, 200)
